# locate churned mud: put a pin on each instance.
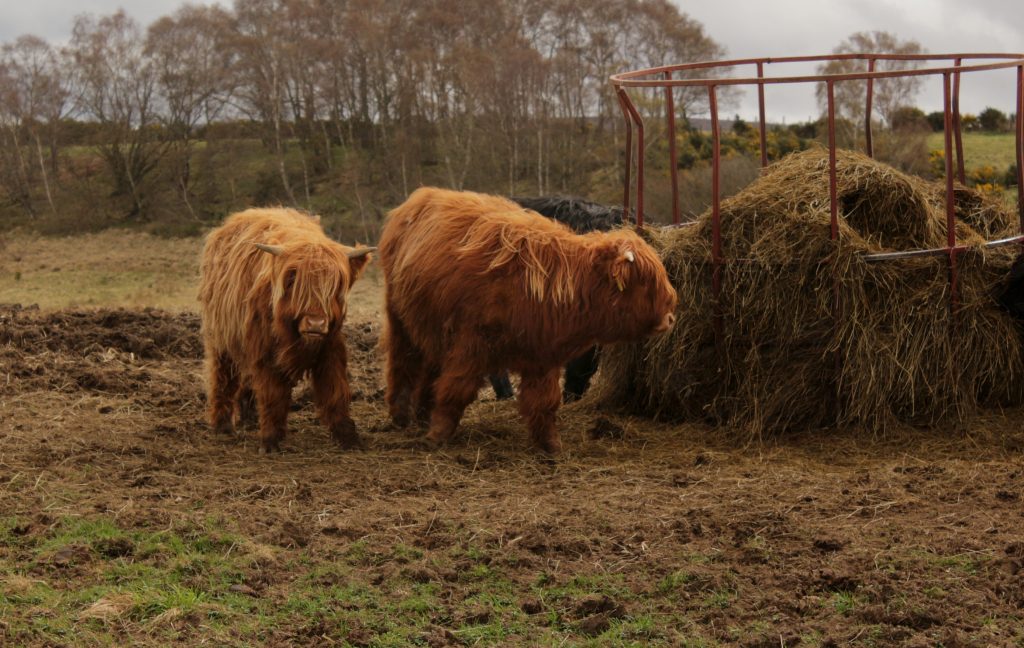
(642, 533)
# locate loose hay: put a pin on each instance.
(784, 360)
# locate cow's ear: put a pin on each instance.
(358, 258)
(622, 267)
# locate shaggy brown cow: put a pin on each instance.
(273, 298)
(476, 284)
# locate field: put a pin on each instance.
(125, 520)
(981, 149)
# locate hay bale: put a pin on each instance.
(783, 360)
(985, 214)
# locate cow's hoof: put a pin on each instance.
(345, 435)
(354, 442)
(244, 423)
(224, 428)
(268, 446)
(428, 444)
(436, 438)
(550, 446)
(400, 420)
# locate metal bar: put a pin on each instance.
(868, 146)
(635, 78)
(1020, 146)
(716, 212)
(958, 137)
(629, 151)
(760, 112)
(832, 193)
(910, 254)
(638, 121)
(670, 111)
(950, 205)
(833, 199)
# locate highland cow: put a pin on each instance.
(1010, 293)
(582, 216)
(476, 284)
(273, 295)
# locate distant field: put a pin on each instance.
(112, 268)
(120, 269)
(995, 149)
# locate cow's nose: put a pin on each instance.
(667, 323)
(315, 325)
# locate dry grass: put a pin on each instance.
(118, 268)
(786, 359)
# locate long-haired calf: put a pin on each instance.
(273, 296)
(476, 284)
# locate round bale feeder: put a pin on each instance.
(834, 290)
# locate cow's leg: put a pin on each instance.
(454, 389)
(332, 395)
(222, 388)
(423, 395)
(578, 373)
(273, 397)
(245, 407)
(501, 385)
(539, 398)
(404, 368)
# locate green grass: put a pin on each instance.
(89, 578)
(982, 149)
(844, 602)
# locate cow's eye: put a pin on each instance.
(289, 280)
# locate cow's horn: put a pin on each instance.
(276, 250)
(355, 253)
(629, 256)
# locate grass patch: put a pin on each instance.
(844, 602)
(981, 149)
(112, 268)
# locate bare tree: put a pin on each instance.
(486, 94)
(889, 95)
(118, 89)
(38, 99)
(14, 173)
(188, 54)
(259, 44)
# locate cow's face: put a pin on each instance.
(643, 298)
(311, 286)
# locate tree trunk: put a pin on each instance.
(46, 181)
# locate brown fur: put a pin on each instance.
(253, 305)
(476, 284)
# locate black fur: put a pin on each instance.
(581, 215)
(1011, 297)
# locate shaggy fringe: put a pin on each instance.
(239, 281)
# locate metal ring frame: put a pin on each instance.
(663, 77)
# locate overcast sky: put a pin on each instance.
(806, 27)
(751, 28)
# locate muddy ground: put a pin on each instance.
(123, 519)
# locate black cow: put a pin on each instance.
(582, 216)
(1011, 297)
